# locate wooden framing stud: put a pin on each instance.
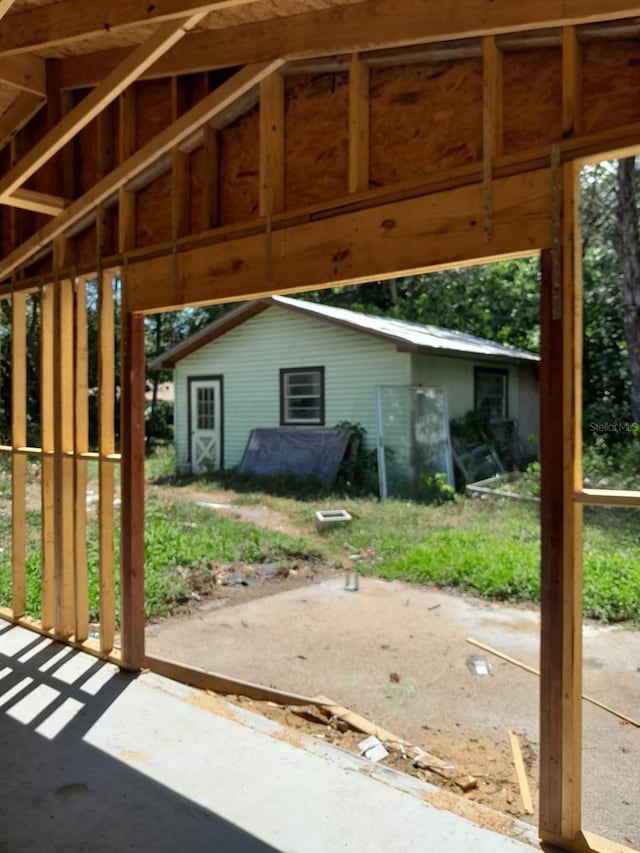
(359, 123)
(18, 461)
(571, 82)
(561, 522)
(63, 380)
(272, 118)
(492, 123)
(132, 437)
(47, 440)
(81, 445)
(106, 470)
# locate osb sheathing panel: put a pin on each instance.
(153, 101)
(316, 138)
(424, 118)
(611, 82)
(532, 99)
(239, 161)
(153, 212)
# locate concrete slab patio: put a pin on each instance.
(99, 760)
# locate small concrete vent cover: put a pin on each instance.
(326, 518)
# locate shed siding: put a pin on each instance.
(249, 359)
(456, 375)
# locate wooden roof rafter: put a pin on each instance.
(178, 133)
(367, 25)
(116, 82)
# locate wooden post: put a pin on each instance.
(561, 524)
(132, 440)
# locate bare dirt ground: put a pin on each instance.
(397, 654)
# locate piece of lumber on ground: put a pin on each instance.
(356, 721)
(521, 772)
(533, 671)
(205, 680)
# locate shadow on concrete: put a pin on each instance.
(59, 793)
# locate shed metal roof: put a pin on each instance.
(408, 337)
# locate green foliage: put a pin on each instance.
(436, 489)
(358, 472)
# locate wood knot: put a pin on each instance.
(388, 224)
(340, 256)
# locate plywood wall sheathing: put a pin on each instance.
(424, 118)
(610, 82)
(532, 98)
(316, 138)
(239, 169)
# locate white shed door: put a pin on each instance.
(206, 418)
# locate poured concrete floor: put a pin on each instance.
(98, 760)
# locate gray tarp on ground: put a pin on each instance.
(309, 452)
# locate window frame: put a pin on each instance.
(494, 371)
(285, 372)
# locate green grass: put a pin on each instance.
(492, 549)
(485, 548)
(179, 538)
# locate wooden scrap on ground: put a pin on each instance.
(425, 760)
(521, 772)
(527, 668)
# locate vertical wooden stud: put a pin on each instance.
(561, 522)
(19, 460)
(64, 459)
(127, 146)
(492, 123)
(106, 446)
(180, 212)
(47, 441)
(210, 179)
(571, 82)
(272, 185)
(81, 445)
(133, 448)
(358, 125)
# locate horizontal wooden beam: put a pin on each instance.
(50, 205)
(356, 27)
(66, 20)
(608, 497)
(420, 234)
(25, 73)
(72, 123)
(5, 5)
(204, 111)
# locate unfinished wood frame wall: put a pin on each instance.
(501, 181)
(59, 545)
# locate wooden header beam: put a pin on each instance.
(429, 232)
(57, 23)
(353, 28)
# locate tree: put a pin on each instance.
(629, 253)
